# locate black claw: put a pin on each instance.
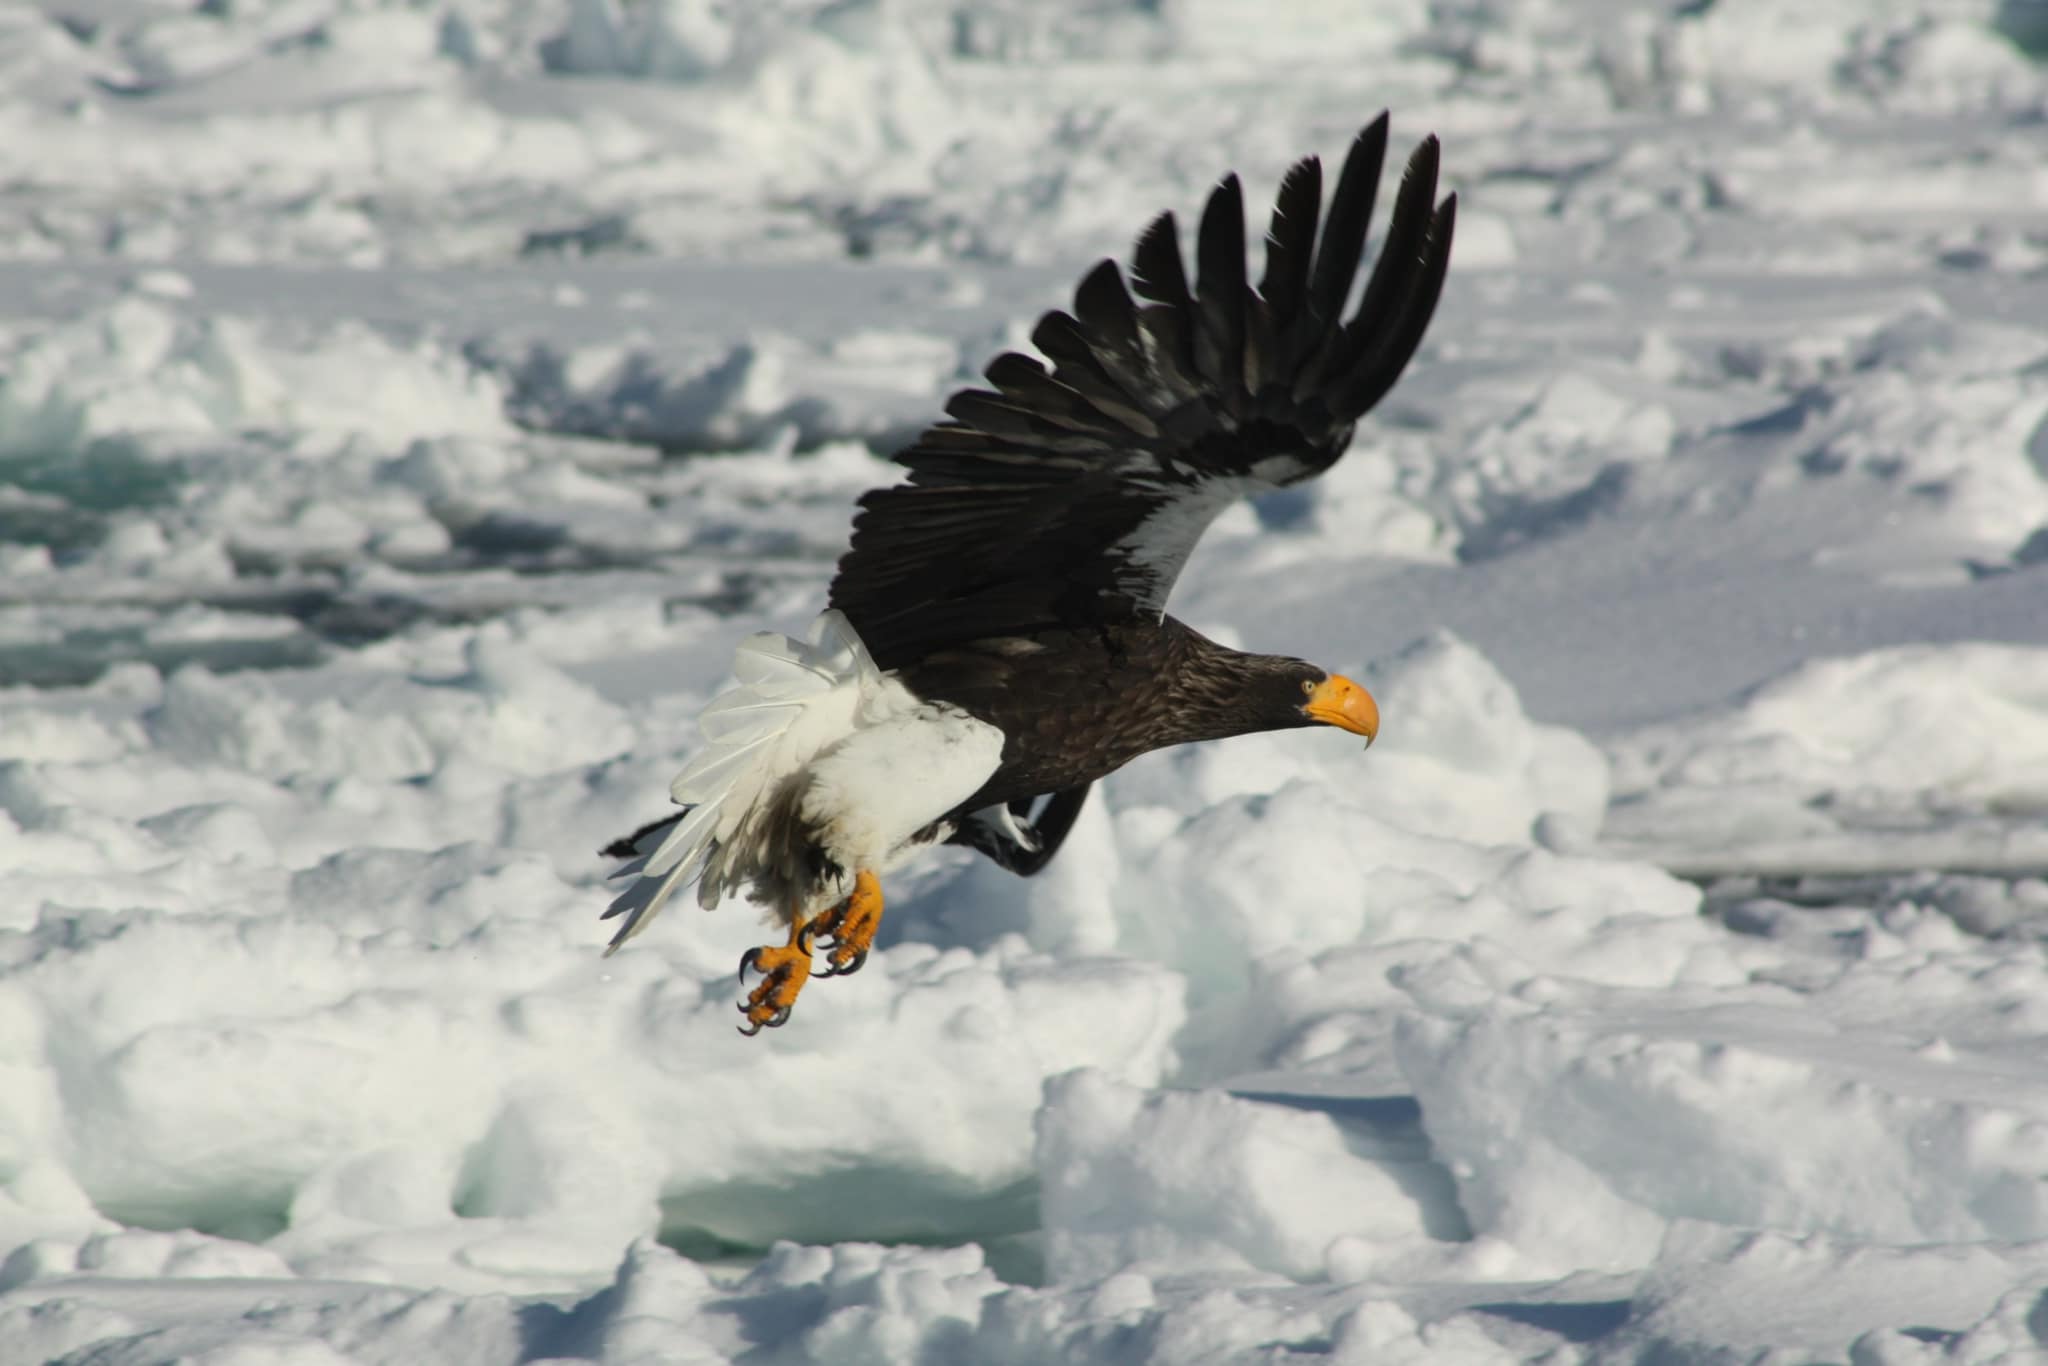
(750, 959)
(775, 1021)
(852, 966)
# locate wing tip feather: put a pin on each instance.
(1211, 355)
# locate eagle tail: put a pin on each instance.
(748, 727)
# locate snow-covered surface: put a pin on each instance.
(407, 408)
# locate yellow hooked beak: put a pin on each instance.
(1337, 701)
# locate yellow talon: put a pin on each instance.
(848, 931)
(784, 970)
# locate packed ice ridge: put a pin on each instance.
(406, 412)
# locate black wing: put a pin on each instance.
(1075, 495)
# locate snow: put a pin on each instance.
(404, 412)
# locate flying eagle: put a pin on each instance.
(997, 638)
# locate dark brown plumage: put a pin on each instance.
(1075, 706)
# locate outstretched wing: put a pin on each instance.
(1074, 495)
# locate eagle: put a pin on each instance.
(996, 638)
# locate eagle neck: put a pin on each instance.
(1216, 692)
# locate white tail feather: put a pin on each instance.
(770, 657)
(832, 635)
(747, 723)
(794, 697)
(685, 842)
(710, 773)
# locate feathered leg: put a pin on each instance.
(784, 969)
(848, 930)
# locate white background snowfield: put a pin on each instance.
(405, 406)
